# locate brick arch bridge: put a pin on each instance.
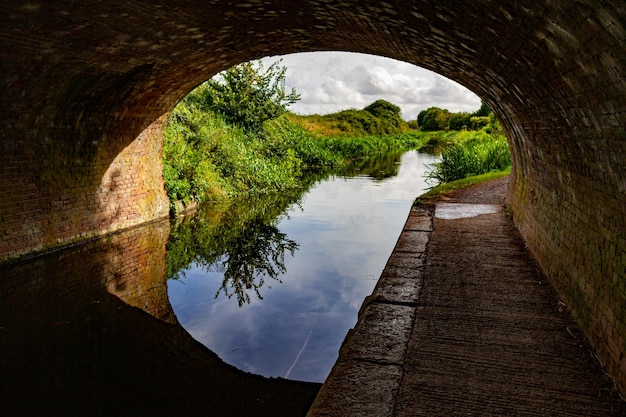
(85, 86)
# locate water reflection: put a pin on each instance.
(378, 169)
(239, 240)
(436, 145)
(89, 331)
(341, 233)
(258, 252)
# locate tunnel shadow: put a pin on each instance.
(89, 331)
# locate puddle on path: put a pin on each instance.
(452, 211)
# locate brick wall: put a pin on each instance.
(55, 198)
(84, 86)
(574, 225)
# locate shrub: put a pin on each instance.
(247, 95)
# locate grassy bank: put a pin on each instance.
(443, 189)
(471, 153)
(213, 152)
(207, 159)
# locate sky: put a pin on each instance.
(332, 81)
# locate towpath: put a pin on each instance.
(463, 322)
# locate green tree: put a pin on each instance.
(420, 117)
(433, 118)
(459, 121)
(387, 111)
(383, 109)
(483, 111)
(247, 94)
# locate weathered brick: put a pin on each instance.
(81, 111)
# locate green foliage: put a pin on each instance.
(284, 135)
(349, 121)
(246, 95)
(443, 189)
(413, 124)
(483, 111)
(232, 137)
(390, 113)
(378, 118)
(434, 118)
(478, 122)
(481, 154)
(315, 151)
(190, 135)
(459, 121)
(207, 159)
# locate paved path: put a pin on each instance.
(462, 322)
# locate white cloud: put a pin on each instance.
(333, 81)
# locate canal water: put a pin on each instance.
(272, 285)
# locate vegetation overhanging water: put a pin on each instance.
(274, 283)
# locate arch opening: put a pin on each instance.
(84, 101)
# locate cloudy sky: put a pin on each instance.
(333, 81)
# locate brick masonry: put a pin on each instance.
(85, 85)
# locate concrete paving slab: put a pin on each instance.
(393, 271)
(381, 334)
(412, 241)
(356, 388)
(411, 260)
(419, 219)
(398, 290)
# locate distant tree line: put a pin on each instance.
(435, 118)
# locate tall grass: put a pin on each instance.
(207, 159)
(318, 151)
(475, 156)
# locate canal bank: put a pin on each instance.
(463, 322)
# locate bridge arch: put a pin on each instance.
(85, 86)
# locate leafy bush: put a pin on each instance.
(389, 114)
(459, 121)
(246, 95)
(212, 147)
(434, 119)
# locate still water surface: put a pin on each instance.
(284, 310)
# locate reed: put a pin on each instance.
(207, 159)
(475, 156)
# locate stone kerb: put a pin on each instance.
(367, 376)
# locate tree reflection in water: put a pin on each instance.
(259, 251)
(239, 239)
